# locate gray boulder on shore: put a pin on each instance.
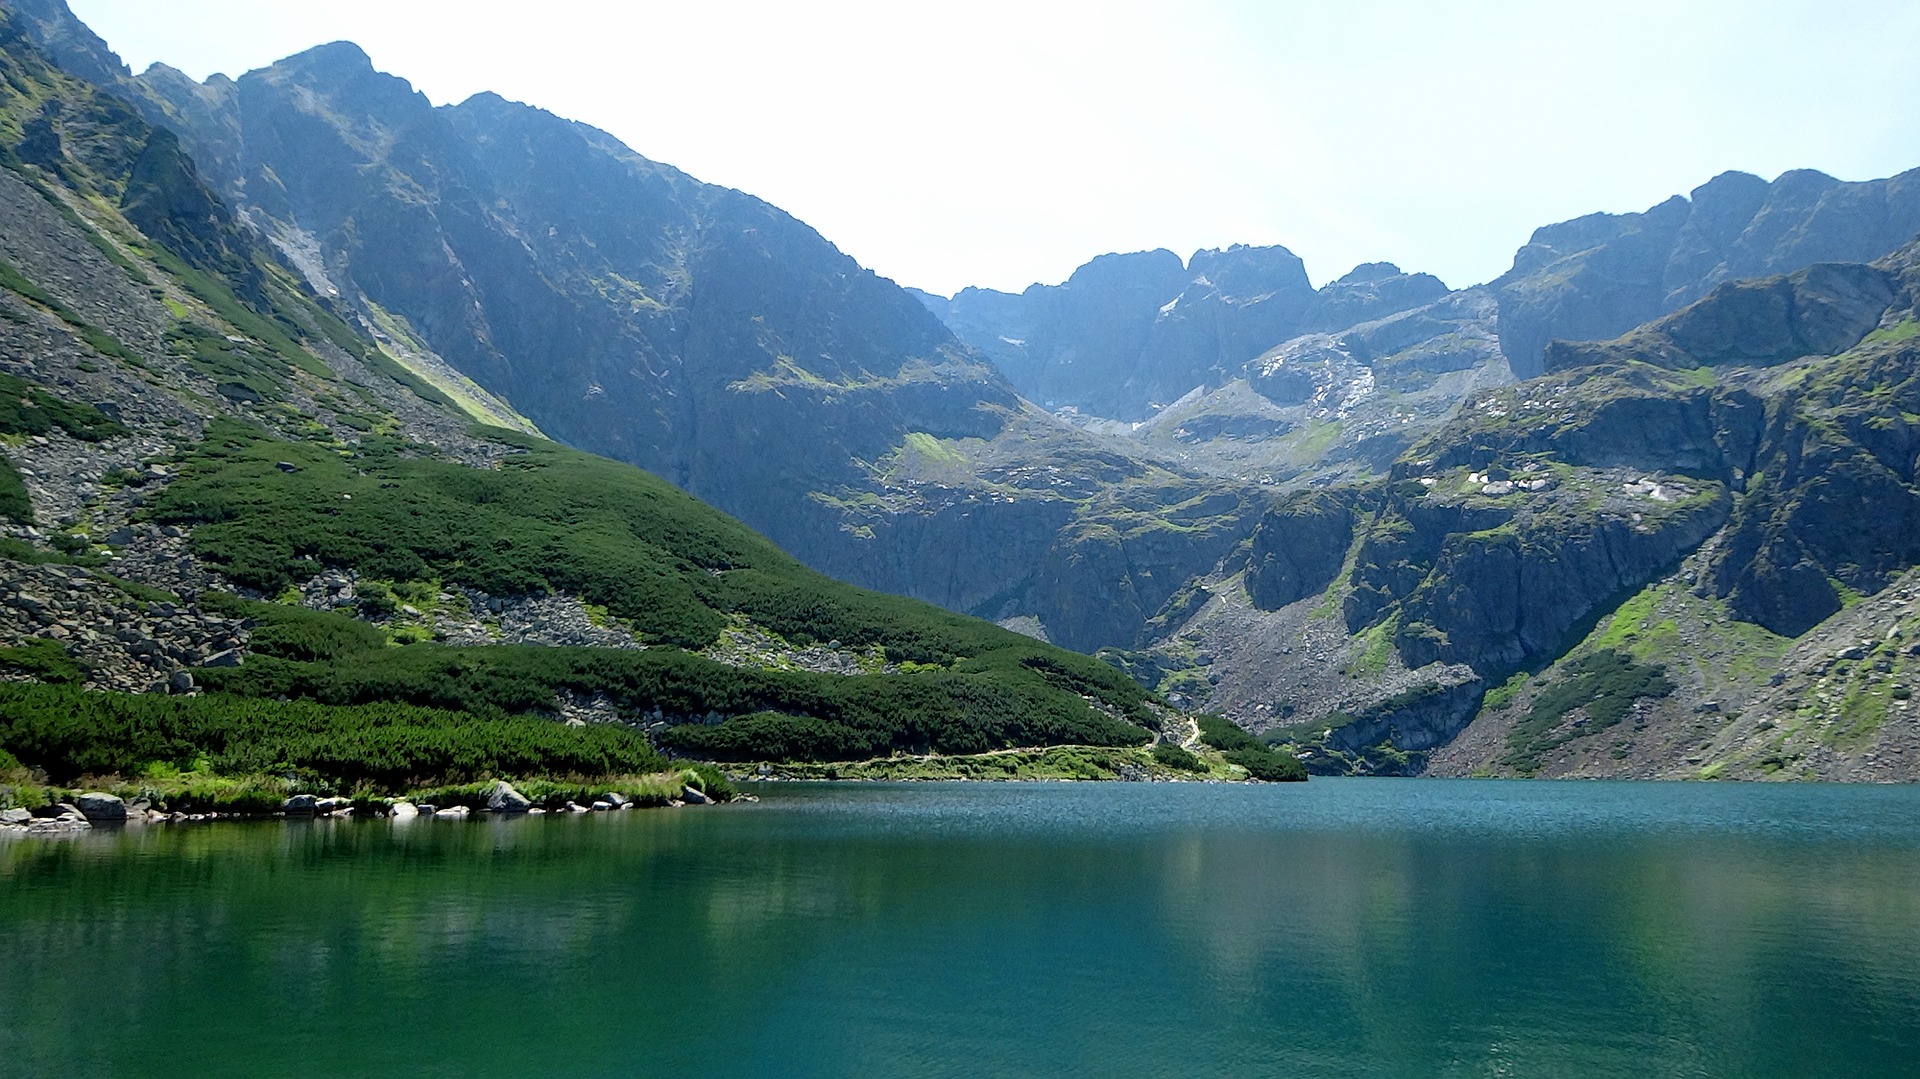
(98, 806)
(504, 799)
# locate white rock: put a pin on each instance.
(452, 813)
(403, 811)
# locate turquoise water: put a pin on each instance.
(1335, 928)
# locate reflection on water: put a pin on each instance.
(1342, 928)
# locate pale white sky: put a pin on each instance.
(1001, 143)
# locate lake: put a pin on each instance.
(1335, 928)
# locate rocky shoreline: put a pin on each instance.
(99, 809)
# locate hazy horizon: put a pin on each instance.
(1012, 146)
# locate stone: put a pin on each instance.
(427, 809)
(504, 799)
(16, 815)
(180, 682)
(330, 805)
(403, 811)
(694, 796)
(99, 806)
(616, 798)
(301, 805)
(452, 813)
(229, 657)
(58, 825)
(602, 806)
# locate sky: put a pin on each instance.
(1000, 143)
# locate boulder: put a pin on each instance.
(99, 806)
(694, 796)
(15, 815)
(452, 813)
(403, 811)
(301, 805)
(615, 798)
(180, 682)
(504, 799)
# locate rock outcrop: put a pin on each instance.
(1598, 276)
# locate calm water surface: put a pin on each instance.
(1336, 928)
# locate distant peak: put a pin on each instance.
(334, 56)
(1370, 271)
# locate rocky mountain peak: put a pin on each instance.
(1242, 270)
(69, 42)
(1155, 272)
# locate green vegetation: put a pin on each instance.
(1605, 684)
(270, 512)
(974, 706)
(1904, 330)
(1501, 696)
(1049, 763)
(45, 660)
(69, 733)
(1270, 763)
(1172, 756)
(26, 409)
(100, 341)
(15, 503)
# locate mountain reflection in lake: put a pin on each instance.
(1357, 927)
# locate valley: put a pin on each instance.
(331, 397)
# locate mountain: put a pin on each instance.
(1601, 275)
(242, 536)
(1334, 516)
(632, 311)
(1237, 368)
(1599, 571)
(1127, 335)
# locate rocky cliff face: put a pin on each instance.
(1598, 276)
(209, 480)
(1127, 335)
(1332, 515)
(633, 311)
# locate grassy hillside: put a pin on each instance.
(253, 439)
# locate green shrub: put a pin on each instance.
(1224, 734)
(1172, 756)
(1271, 765)
(389, 747)
(1604, 683)
(46, 660)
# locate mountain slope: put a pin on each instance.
(1631, 542)
(630, 310)
(1601, 275)
(214, 484)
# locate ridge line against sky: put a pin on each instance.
(1010, 142)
